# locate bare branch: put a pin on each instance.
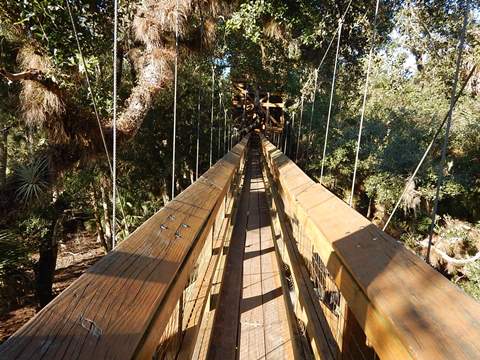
(32, 75)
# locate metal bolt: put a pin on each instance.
(163, 227)
(171, 217)
(185, 226)
(177, 234)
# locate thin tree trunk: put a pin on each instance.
(3, 157)
(47, 262)
(106, 217)
(370, 208)
(164, 194)
(98, 221)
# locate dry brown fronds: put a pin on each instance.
(273, 30)
(209, 33)
(156, 19)
(40, 106)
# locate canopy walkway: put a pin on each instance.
(255, 261)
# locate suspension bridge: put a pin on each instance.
(255, 260)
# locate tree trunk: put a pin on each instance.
(370, 208)
(106, 217)
(47, 262)
(98, 221)
(163, 189)
(3, 157)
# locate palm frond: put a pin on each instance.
(32, 181)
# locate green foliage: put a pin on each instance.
(32, 181)
(13, 254)
(472, 285)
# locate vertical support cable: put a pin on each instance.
(268, 109)
(219, 124)
(441, 166)
(211, 115)
(299, 130)
(285, 138)
(175, 101)
(310, 135)
(365, 93)
(292, 135)
(225, 130)
(114, 123)
(199, 108)
(332, 92)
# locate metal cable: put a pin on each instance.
(430, 145)
(299, 129)
(332, 92)
(95, 107)
(292, 134)
(90, 89)
(199, 107)
(310, 137)
(211, 115)
(365, 93)
(175, 101)
(114, 146)
(447, 131)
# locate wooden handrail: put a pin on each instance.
(121, 306)
(406, 308)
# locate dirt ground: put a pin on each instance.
(78, 253)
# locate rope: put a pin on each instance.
(430, 145)
(364, 101)
(299, 129)
(211, 115)
(175, 101)
(447, 131)
(332, 91)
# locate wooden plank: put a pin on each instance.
(257, 327)
(278, 335)
(120, 306)
(224, 335)
(394, 295)
(251, 337)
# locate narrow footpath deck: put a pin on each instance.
(251, 320)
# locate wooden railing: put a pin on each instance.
(360, 293)
(146, 298)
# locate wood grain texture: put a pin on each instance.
(251, 320)
(120, 306)
(406, 308)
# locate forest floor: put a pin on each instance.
(77, 254)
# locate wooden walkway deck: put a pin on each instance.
(251, 319)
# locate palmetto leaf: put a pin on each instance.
(11, 250)
(32, 181)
